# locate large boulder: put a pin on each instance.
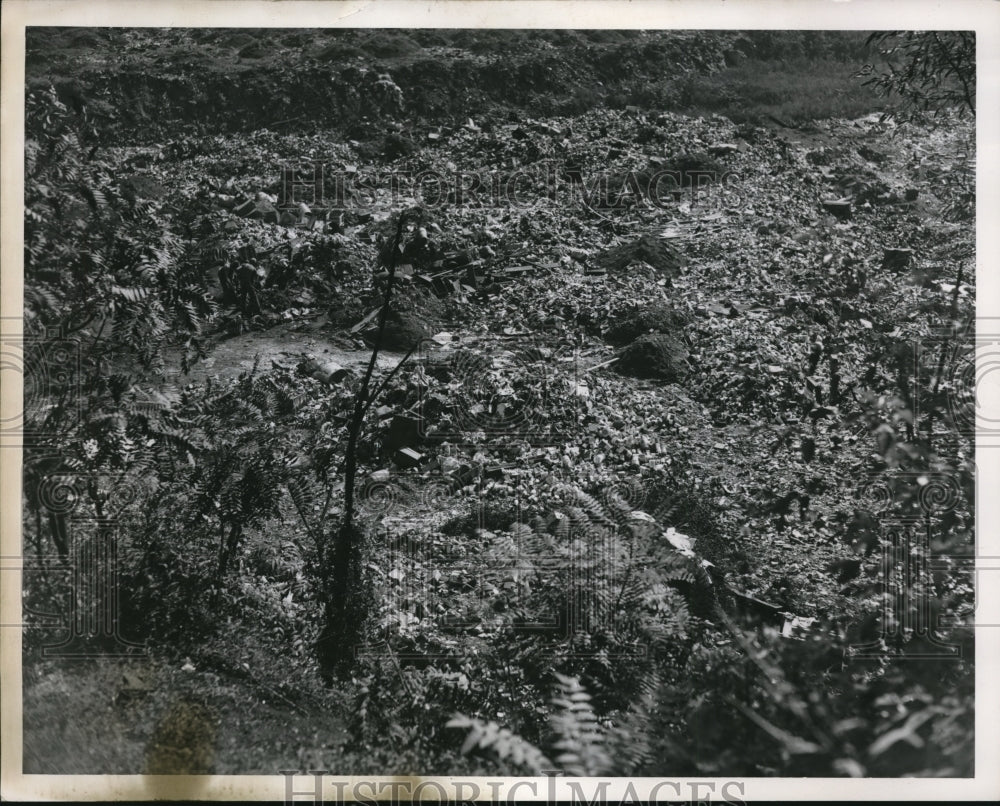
(649, 250)
(403, 329)
(660, 356)
(413, 315)
(657, 317)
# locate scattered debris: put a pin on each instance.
(326, 371)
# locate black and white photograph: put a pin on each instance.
(499, 402)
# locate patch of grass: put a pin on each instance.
(114, 716)
(793, 91)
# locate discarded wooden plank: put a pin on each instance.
(407, 457)
(838, 208)
(607, 363)
(364, 322)
(723, 149)
(757, 608)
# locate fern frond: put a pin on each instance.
(629, 740)
(131, 293)
(580, 737)
(500, 741)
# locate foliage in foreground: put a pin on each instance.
(927, 71)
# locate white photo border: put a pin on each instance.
(979, 15)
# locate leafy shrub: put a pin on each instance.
(929, 71)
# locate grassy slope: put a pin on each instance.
(149, 82)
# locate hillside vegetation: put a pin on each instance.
(646, 478)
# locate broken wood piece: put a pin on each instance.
(723, 149)
(602, 364)
(757, 608)
(364, 322)
(407, 457)
(838, 208)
